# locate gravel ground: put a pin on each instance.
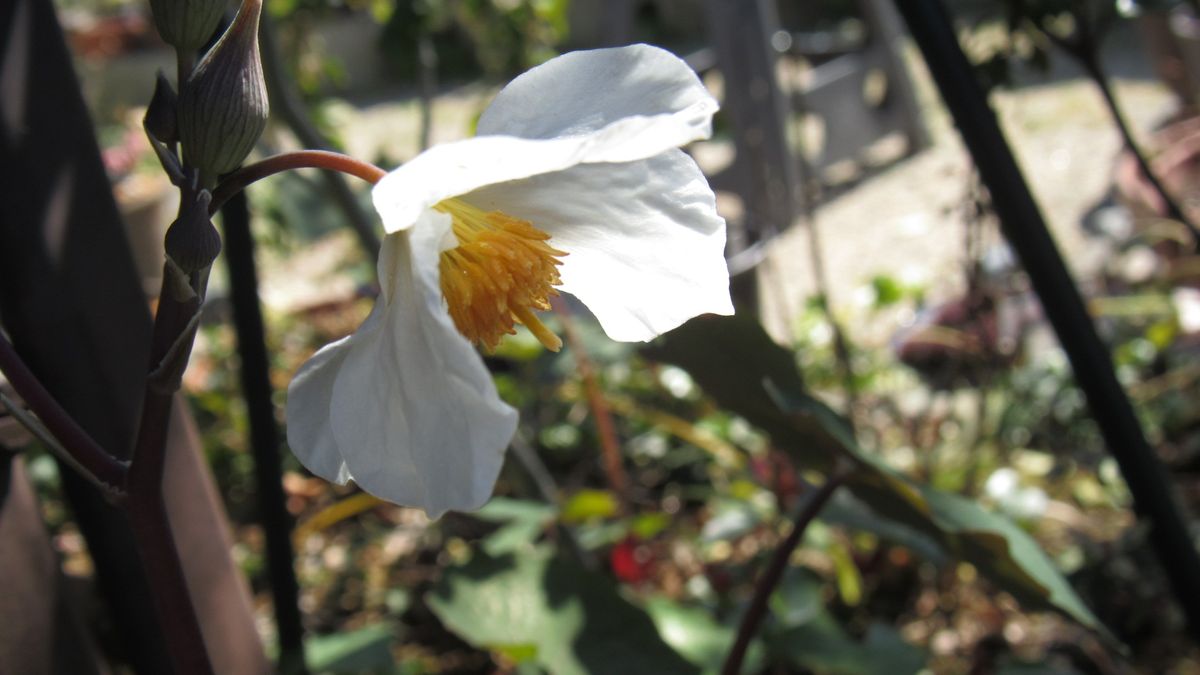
(906, 222)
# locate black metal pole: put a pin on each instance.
(264, 432)
(1153, 497)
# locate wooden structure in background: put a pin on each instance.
(855, 90)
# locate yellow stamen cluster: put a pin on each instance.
(501, 271)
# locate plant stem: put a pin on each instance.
(264, 433)
(302, 159)
(610, 446)
(164, 571)
(145, 505)
(98, 466)
(1154, 501)
(773, 574)
(841, 345)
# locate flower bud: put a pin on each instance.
(192, 241)
(160, 120)
(223, 106)
(187, 24)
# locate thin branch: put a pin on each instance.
(93, 461)
(841, 345)
(771, 576)
(1091, 63)
(301, 159)
(529, 460)
(610, 446)
(1085, 49)
(40, 432)
(427, 62)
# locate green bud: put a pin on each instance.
(187, 24)
(192, 242)
(160, 120)
(223, 106)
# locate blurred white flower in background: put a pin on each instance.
(1024, 503)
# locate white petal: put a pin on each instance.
(644, 242)
(309, 433)
(620, 131)
(414, 411)
(583, 92)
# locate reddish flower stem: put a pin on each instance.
(610, 445)
(302, 159)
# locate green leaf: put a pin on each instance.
(574, 620)
(759, 380)
(822, 645)
(512, 537)
(523, 522)
(888, 291)
(359, 652)
(503, 510)
(850, 512)
(730, 520)
(646, 525)
(698, 637)
(810, 638)
(799, 598)
(588, 505)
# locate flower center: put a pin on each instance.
(502, 269)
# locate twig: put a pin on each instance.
(111, 492)
(841, 346)
(1085, 49)
(427, 62)
(772, 575)
(93, 462)
(610, 446)
(1091, 63)
(528, 458)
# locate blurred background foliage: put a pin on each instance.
(576, 566)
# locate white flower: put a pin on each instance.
(575, 182)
